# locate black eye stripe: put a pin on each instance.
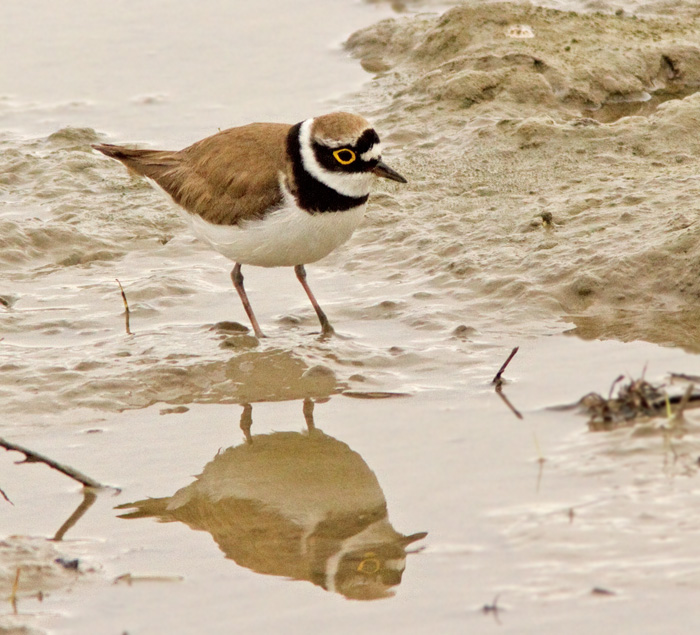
(367, 139)
(324, 154)
(326, 158)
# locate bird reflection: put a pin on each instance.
(302, 505)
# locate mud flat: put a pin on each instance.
(536, 186)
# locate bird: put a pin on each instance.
(271, 194)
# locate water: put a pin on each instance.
(172, 75)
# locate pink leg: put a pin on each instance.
(326, 328)
(237, 278)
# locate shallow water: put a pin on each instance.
(172, 75)
(549, 525)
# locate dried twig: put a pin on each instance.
(497, 379)
(127, 312)
(35, 457)
(13, 593)
(129, 579)
(693, 378)
(636, 400)
(492, 608)
(612, 386)
(2, 493)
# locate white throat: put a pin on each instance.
(350, 184)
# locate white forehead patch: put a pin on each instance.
(375, 152)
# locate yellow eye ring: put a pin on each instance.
(344, 156)
(369, 565)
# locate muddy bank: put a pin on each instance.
(635, 7)
(523, 210)
(32, 568)
(492, 110)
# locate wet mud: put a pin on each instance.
(493, 108)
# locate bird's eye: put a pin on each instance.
(344, 156)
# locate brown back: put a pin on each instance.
(230, 176)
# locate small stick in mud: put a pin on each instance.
(127, 312)
(497, 379)
(129, 578)
(612, 386)
(492, 608)
(693, 378)
(2, 493)
(35, 457)
(13, 593)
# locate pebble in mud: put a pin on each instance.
(240, 342)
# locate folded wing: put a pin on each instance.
(230, 176)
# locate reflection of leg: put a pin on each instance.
(326, 328)
(247, 421)
(237, 278)
(89, 497)
(309, 414)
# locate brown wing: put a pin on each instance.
(223, 178)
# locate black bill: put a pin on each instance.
(383, 170)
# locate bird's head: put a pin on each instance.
(343, 152)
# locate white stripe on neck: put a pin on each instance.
(355, 184)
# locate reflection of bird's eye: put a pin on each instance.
(344, 156)
(369, 565)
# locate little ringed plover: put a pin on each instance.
(269, 194)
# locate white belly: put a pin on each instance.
(284, 238)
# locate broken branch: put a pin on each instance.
(35, 457)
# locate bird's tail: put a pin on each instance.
(151, 163)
